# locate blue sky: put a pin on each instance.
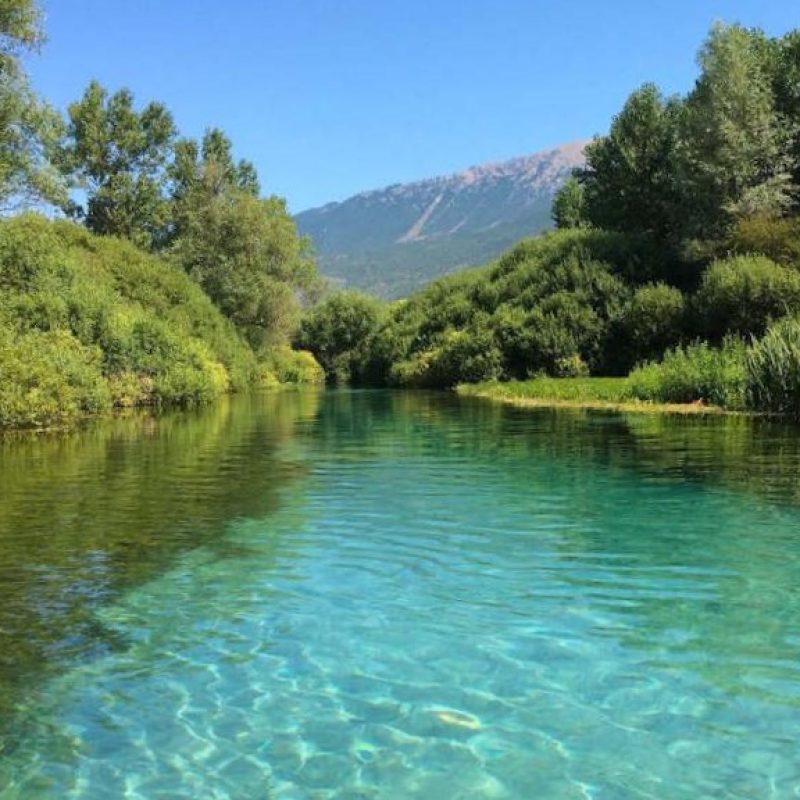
(330, 97)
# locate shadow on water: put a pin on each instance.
(87, 516)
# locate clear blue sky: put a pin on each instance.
(330, 97)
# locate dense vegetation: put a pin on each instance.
(175, 282)
(677, 257)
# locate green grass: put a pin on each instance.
(602, 393)
(608, 390)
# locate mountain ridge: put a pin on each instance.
(390, 240)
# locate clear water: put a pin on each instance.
(376, 595)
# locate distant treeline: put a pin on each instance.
(680, 240)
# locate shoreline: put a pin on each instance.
(588, 404)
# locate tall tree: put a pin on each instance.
(569, 205)
(29, 129)
(118, 157)
(243, 250)
(734, 158)
(629, 181)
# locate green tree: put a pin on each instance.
(29, 129)
(118, 157)
(734, 148)
(201, 172)
(569, 205)
(339, 331)
(243, 250)
(629, 181)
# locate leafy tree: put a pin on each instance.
(630, 181)
(733, 158)
(201, 172)
(245, 253)
(29, 129)
(339, 331)
(243, 250)
(118, 156)
(569, 205)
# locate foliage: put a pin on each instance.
(29, 128)
(118, 156)
(683, 170)
(569, 205)
(743, 294)
(243, 250)
(773, 369)
(778, 239)
(549, 305)
(339, 332)
(47, 378)
(697, 373)
(281, 365)
(629, 182)
(96, 322)
(653, 320)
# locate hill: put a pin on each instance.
(391, 241)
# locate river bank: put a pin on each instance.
(600, 394)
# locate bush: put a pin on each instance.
(743, 294)
(652, 321)
(48, 378)
(546, 306)
(778, 239)
(697, 373)
(773, 369)
(338, 331)
(462, 357)
(102, 323)
(282, 365)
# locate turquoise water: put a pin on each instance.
(376, 595)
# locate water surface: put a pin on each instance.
(378, 595)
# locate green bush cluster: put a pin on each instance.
(339, 331)
(743, 294)
(570, 303)
(90, 322)
(697, 373)
(281, 365)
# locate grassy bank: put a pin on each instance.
(611, 394)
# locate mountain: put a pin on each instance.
(390, 241)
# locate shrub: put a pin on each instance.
(102, 323)
(697, 373)
(283, 365)
(338, 332)
(778, 239)
(652, 321)
(461, 357)
(773, 369)
(743, 294)
(48, 378)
